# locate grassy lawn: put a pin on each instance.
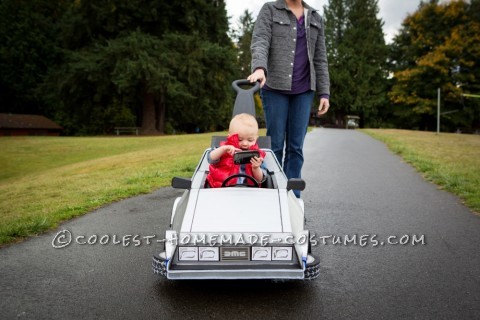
(449, 160)
(46, 180)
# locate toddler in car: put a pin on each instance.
(242, 136)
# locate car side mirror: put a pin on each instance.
(181, 183)
(296, 184)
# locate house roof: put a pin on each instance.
(26, 121)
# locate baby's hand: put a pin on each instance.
(230, 149)
(256, 162)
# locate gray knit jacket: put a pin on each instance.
(273, 46)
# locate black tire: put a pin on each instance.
(159, 265)
(312, 269)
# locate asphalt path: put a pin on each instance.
(359, 195)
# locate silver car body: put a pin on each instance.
(237, 232)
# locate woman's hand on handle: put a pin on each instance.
(258, 75)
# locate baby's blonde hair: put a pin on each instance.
(245, 120)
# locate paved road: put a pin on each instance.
(355, 186)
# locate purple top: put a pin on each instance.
(301, 66)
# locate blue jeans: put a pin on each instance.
(287, 117)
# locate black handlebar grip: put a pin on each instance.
(244, 103)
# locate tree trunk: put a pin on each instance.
(149, 125)
(161, 112)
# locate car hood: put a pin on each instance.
(237, 210)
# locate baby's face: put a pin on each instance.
(247, 138)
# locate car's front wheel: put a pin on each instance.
(312, 269)
(159, 264)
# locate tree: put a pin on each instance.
(27, 50)
(111, 77)
(243, 37)
(164, 66)
(357, 59)
(437, 47)
(335, 15)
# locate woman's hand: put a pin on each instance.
(323, 106)
(258, 75)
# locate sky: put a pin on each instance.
(392, 12)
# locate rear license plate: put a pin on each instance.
(234, 253)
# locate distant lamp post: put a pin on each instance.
(452, 111)
(438, 110)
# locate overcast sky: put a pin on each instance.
(392, 12)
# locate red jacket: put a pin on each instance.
(225, 167)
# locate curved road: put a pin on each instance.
(356, 191)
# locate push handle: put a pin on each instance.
(244, 103)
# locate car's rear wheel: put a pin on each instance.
(159, 264)
(312, 269)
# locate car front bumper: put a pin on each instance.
(225, 271)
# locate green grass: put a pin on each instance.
(46, 180)
(449, 160)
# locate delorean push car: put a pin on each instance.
(238, 231)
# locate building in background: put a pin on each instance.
(27, 125)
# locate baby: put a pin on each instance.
(242, 135)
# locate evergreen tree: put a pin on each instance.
(357, 59)
(27, 49)
(242, 35)
(364, 32)
(338, 51)
(243, 39)
(164, 66)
